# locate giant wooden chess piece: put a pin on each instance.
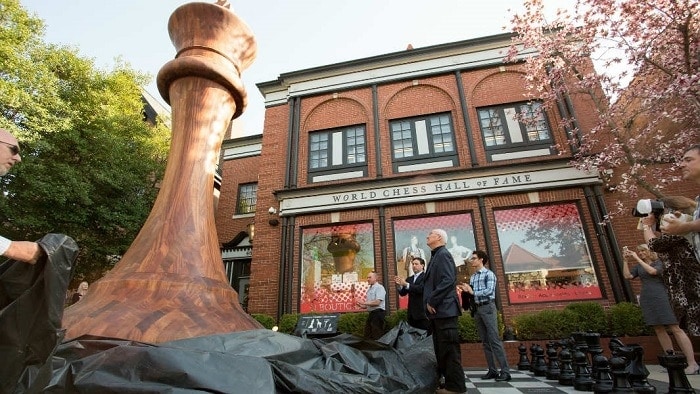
(171, 283)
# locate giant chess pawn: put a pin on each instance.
(552, 362)
(566, 373)
(540, 366)
(533, 347)
(603, 379)
(524, 363)
(582, 374)
(675, 364)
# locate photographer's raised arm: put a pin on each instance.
(648, 228)
(677, 226)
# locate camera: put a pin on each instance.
(647, 206)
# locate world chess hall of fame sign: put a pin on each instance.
(410, 242)
(334, 267)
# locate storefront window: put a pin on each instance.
(545, 254)
(409, 238)
(334, 267)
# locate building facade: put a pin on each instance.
(359, 161)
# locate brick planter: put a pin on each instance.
(473, 353)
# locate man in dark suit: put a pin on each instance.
(413, 286)
(443, 310)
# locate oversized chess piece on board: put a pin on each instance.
(675, 364)
(523, 362)
(170, 283)
(552, 362)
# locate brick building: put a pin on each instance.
(359, 160)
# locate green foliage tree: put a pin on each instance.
(90, 163)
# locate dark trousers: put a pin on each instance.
(423, 324)
(447, 352)
(374, 329)
(486, 319)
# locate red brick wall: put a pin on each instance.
(400, 99)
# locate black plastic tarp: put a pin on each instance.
(256, 361)
(33, 358)
(32, 298)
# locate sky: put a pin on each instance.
(290, 35)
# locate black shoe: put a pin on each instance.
(490, 375)
(503, 377)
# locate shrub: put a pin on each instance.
(288, 322)
(467, 329)
(267, 321)
(546, 324)
(353, 323)
(590, 316)
(397, 316)
(626, 320)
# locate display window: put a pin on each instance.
(545, 254)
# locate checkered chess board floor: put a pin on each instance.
(527, 382)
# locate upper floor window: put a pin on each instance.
(423, 140)
(334, 151)
(247, 198)
(513, 129)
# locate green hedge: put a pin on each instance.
(626, 320)
(267, 321)
(623, 319)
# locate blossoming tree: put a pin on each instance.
(644, 90)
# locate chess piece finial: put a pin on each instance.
(224, 3)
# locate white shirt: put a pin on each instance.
(4, 245)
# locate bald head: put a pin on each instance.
(6, 136)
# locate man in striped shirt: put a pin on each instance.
(482, 286)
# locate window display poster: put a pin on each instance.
(334, 266)
(545, 254)
(410, 241)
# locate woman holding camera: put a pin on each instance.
(681, 270)
(654, 301)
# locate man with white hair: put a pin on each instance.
(24, 251)
(443, 310)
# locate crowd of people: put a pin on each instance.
(667, 264)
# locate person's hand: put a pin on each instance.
(400, 281)
(649, 220)
(430, 309)
(361, 304)
(466, 288)
(627, 252)
(673, 225)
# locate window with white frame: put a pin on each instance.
(423, 142)
(337, 151)
(515, 130)
(247, 198)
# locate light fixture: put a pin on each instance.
(251, 231)
(273, 221)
